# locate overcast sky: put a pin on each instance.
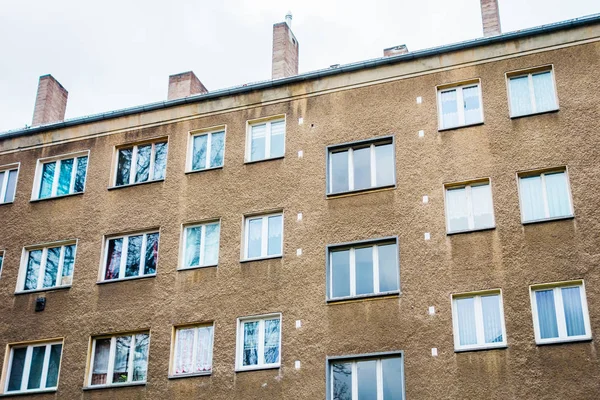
(119, 53)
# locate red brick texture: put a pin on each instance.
(490, 17)
(184, 85)
(285, 52)
(50, 102)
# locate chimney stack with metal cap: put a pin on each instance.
(490, 16)
(50, 102)
(285, 50)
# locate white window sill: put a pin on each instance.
(263, 159)
(360, 191)
(246, 260)
(535, 113)
(56, 197)
(131, 278)
(394, 293)
(575, 339)
(489, 228)
(135, 184)
(257, 368)
(451, 128)
(51, 289)
(537, 221)
(197, 267)
(114, 385)
(489, 346)
(206, 373)
(28, 392)
(195, 171)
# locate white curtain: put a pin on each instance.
(492, 321)
(471, 104)
(257, 145)
(546, 313)
(465, 308)
(185, 351)
(481, 199)
(457, 209)
(543, 89)
(449, 108)
(573, 311)
(532, 201)
(204, 349)
(277, 138)
(520, 101)
(557, 194)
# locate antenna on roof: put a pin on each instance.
(288, 18)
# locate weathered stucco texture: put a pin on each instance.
(510, 257)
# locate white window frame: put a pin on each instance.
(560, 313)
(267, 121)
(261, 342)
(133, 168)
(529, 73)
(42, 272)
(190, 151)
(27, 367)
(459, 100)
(2, 257)
(471, 218)
(264, 236)
(111, 360)
(182, 251)
(35, 194)
(123, 265)
(479, 327)
(7, 169)
(176, 330)
(542, 174)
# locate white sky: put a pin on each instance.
(116, 54)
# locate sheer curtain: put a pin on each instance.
(185, 351)
(546, 313)
(466, 320)
(558, 195)
(492, 321)
(257, 145)
(472, 104)
(520, 100)
(457, 209)
(449, 109)
(481, 199)
(532, 202)
(543, 89)
(204, 349)
(573, 311)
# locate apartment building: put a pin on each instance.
(419, 226)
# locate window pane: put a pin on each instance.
(392, 378)
(573, 311)
(217, 148)
(275, 238)
(520, 101)
(47, 179)
(81, 172)
(362, 168)
(339, 172)
(121, 367)
(388, 268)
(558, 194)
(199, 152)
(113, 259)
(3, 174)
(134, 249)
(140, 357)
(192, 246)
(471, 105)
(160, 160)
(483, 213)
(10, 186)
(364, 270)
(37, 364)
(449, 108)
(277, 138)
(492, 320)
(142, 171)
(64, 177)
(52, 260)
(532, 202)
(53, 366)
(272, 341)
(465, 308)
(457, 209)
(543, 90)
(33, 269)
(340, 273)
(204, 349)
(124, 166)
(384, 159)
(342, 381)
(546, 313)
(68, 265)
(250, 356)
(211, 249)
(17, 368)
(100, 369)
(257, 142)
(185, 351)
(367, 380)
(254, 237)
(1, 258)
(151, 257)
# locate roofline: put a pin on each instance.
(557, 26)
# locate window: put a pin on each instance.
(60, 176)
(8, 183)
(141, 163)
(460, 106)
(469, 207)
(1, 260)
(545, 195)
(263, 236)
(363, 269)
(478, 321)
(532, 92)
(367, 377)
(119, 359)
(560, 313)
(360, 166)
(130, 256)
(259, 342)
(206, 150)
(201, 245)
(193, 350)
(47, 267)
(265, 140)
(33, 367)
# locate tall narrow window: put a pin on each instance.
(47, 267)
(33, 367)
(560, 313)
(206, 150)
(460, 106)
(193, 351)
(478, 321)
(532, 92)
(201, 245)
(263, 236)
(130, 256)
(265, 140)
(1, 260)
(469, 207)
(60, 176)
(141, 163)
(363, 269)
(8, 183)
(119, 359)
(259, 342)
(545, 196)
(360, 166)
(368, 377)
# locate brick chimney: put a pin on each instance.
(50, 102)
(184, 84)
(285, 50)
(490, 16)
(394, 51)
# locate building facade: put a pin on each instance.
(420, 226)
